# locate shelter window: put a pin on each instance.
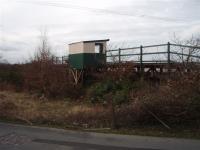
(98, 48)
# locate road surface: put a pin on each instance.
(18, 137)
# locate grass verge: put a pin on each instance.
(21, 108)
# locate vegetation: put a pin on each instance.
(98, 92)
(124, 102)
(40, 92)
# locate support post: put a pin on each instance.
(52, 59)
(56, 60)
(168, 57)
(168, 53)
(77, 75)
(119, 55)
(141, 59)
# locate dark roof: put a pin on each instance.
(91, 41)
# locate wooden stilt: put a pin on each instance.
(77, 75)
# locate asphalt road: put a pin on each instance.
(18, 137)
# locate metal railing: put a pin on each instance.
(178, 55)
(60, 60)
(119, 53)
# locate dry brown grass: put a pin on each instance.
(175, 103)
(27, 108)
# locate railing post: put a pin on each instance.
(168, 57)
(141, 59)
(168, 53)
(52, 59)
(56, 60)
(119, 55)
(106, 54)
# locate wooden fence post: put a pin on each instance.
(62, 60)
(106, 58)
(141, 59)
(119, 55)
(56, 60)
(52, 59)
(168, 57)
(168, 53)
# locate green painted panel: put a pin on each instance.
(86, 60)
(76, 61)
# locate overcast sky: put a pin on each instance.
(124, 22)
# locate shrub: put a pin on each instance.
(176, 103)
(51, 80)
(11, 75)
(119, 90)
(97, 91)
(120, 97)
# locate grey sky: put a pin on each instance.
(132, 22)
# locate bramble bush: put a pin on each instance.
(124, 103)
(119, 89)
(11, 76)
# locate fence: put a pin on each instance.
(171, 53)
(60, 60)
(168, 54)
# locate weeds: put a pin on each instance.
(113, 102)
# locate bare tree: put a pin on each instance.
(2, 60)
(43, 52)
(114, 55)
(43, 60)
(187, 52)
(114, 58)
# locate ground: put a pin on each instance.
(28, 109)
(15, 137)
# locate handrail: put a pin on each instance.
(185, 54)
(140, 53)
(152, 53)
(188, 46)
(131, 48)
(159, 45)
(124, 49)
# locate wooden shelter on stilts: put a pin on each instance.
(84, 55)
